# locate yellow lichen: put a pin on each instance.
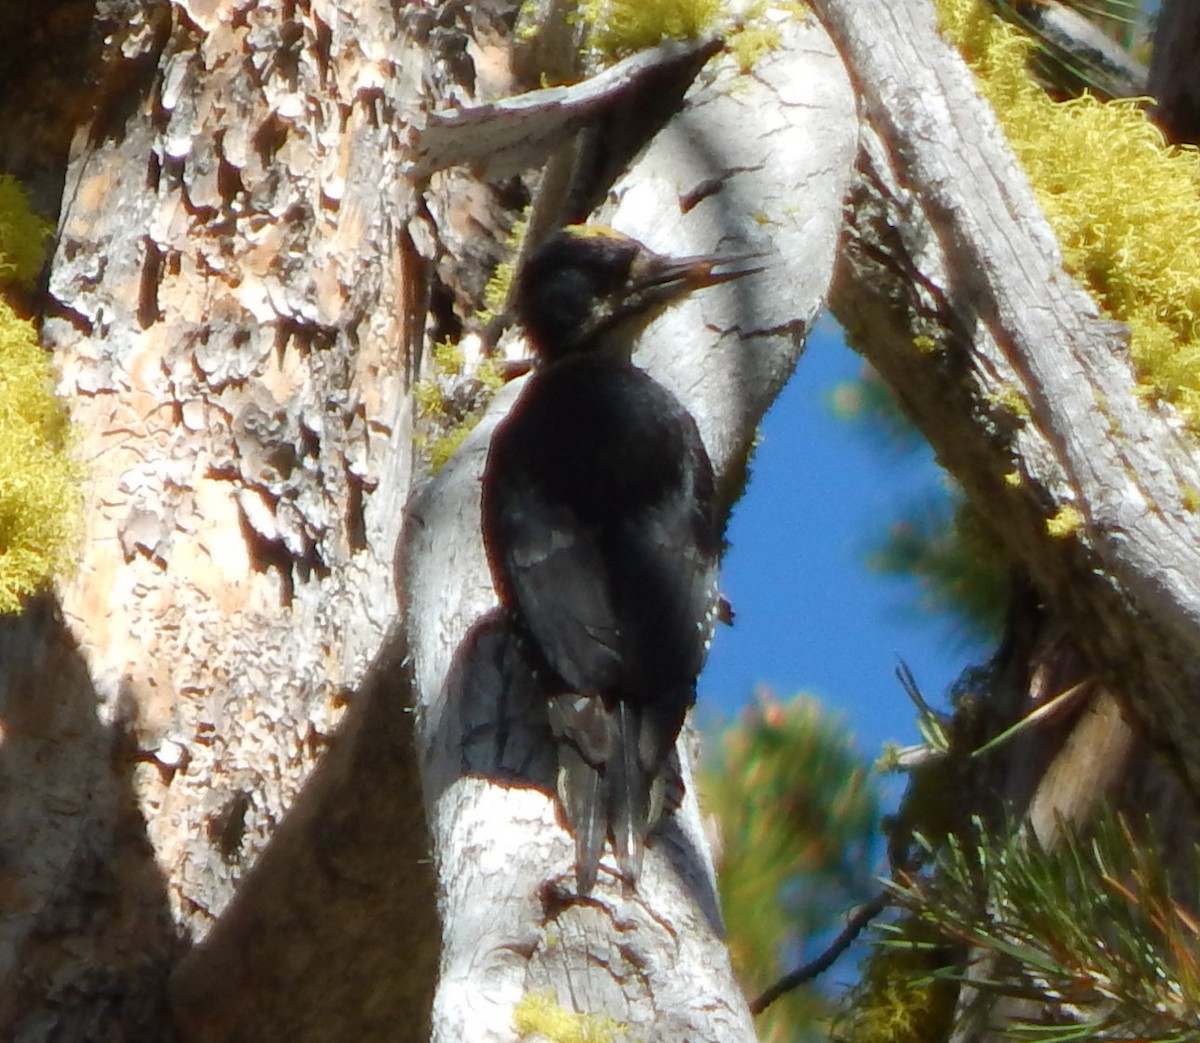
(1066, 522)
(489, 374)
(23, 235)
(1013, 479)
(901, 1000)
(752, 43)
(429, 395)
(540, 1014)
(447, 358)
(1010, 399)
(451, 402)
(1124, 205)
(495, 293)
(621, 27)
(924, 344)
(434, 397)
(527, 31)
(440, 449)
(1191, 498)
(429, 400)
(39, 498)
(753, 37)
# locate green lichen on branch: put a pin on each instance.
(1010, 399)
(1190, 496)
(620, 27)
(38, 482)
(1065, 523)
(23, 235)
(540, 1016)
(616, 28)
(1123, 203)
(451, 402)
(900, 999)
(499, 286)
(39, 498)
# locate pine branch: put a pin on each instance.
(1091, 930)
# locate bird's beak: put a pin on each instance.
(670, 277)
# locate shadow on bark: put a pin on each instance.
(88, 937)
(490, 723)
(333, 934)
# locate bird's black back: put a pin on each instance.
(598, 517)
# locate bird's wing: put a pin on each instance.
(665, 595)
(554, 572)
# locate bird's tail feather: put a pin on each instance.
(581, 724)
(630, 781)
(581, 788)
(610, 780)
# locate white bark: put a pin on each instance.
(775, 147)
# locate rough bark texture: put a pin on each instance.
(726, 174)
(237, 309)
(210, 817)
(209, 813)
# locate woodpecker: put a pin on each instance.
(601, 530)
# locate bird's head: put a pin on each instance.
(588, 288)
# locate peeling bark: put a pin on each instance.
(210, 816)
(210, 820)
(237, 307)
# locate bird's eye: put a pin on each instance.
(610, 268)
(569, 294)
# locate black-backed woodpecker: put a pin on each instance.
(601, 532)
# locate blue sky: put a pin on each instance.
(811, 616)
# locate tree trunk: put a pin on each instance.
(980, 268)
(236, 307)
(212, 820)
